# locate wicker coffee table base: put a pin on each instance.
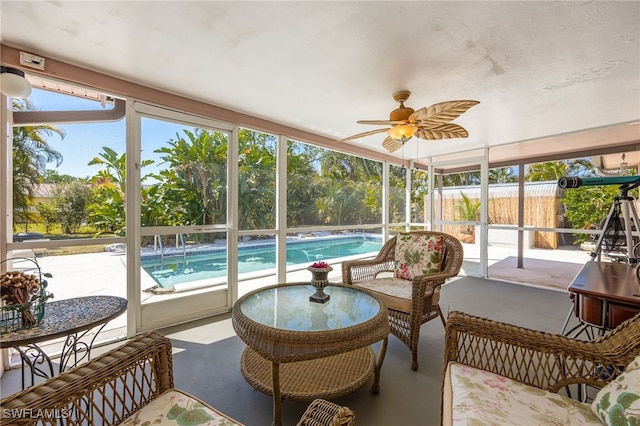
(328, 377)
(325, 378)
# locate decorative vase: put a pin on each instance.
(319, 279)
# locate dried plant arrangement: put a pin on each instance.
(22, 299)
(18, 288)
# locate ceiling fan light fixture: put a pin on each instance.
(402, 132)
(13, 84)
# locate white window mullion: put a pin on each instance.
(232, 214)
(385, 201)
(6, 176)
(281, 209)
(431, 197)
(132, 218)
(484, 215)
(407, 196)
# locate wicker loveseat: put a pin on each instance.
(419, 262)
(497, 373)
(131, 385)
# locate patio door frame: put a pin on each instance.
(436, 223)
(143, 317)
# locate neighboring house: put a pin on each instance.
(44, 193)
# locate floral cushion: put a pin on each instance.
(395, 293)
(618, 403)
(478, 397)
(175, 407)
(417, 254)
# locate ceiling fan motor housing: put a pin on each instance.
(402, 112)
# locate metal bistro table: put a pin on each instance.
(73, 318)
(302, 350)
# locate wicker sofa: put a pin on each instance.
(503, 374)
(131, 385)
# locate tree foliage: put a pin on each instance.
(302, 185)
(257, 180)
(52, 176)
(468, 211)
(31, 153)
(398, 194)
(49, 214)
(587, 206)
(350, 188)
(193, 186)
(106, 210)
(502, 175)
(71, 202)
(554, 170)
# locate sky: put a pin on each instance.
(83, 142)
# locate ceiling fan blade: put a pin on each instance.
(391, 145)
(361, 135)
(443, 131)
(441, 113)
(381, 122)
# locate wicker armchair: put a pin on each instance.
(543, 360)
(119, 385)
(419, 302)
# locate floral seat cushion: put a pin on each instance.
(175, 407)
(417, 254)
(395, 292)
(478, 397)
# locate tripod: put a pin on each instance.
(618, 223)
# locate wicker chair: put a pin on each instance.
(419, 302)
(119, 385)
(546, 361)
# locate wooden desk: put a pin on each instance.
(606, 294)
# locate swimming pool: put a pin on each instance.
(178, 269)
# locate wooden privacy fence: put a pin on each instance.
(543, 208)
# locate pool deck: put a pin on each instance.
(105, 273)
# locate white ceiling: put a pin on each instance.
(539, 69)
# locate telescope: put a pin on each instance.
(576, 182)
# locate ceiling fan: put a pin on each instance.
(429, 123)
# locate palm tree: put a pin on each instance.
(196, 176)
(106, 210)
(502, 175)
(554, 170)
(468, 211)
(31, 154)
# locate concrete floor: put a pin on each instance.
(207, 353)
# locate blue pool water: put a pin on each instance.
(179, 269)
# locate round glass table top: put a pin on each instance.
(289, 308)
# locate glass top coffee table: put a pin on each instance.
(324, 348)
